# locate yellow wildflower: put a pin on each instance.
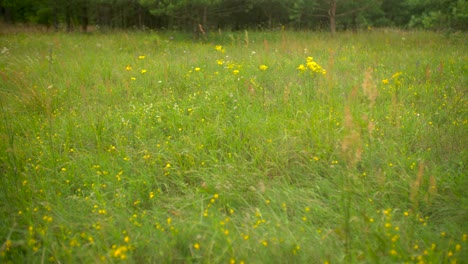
(301, 67)
(219, 48)
(396, 75)
(119, 252)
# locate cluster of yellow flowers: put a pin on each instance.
(263, 67)
(232, 66)
(395, 77)
(220, 48)
(313, 66)
(129, 68)
(236, 69)
(119, 252)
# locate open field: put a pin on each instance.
(151, 148)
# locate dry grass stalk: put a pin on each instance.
(371, 128)
(441, 68)
(415, 187)
(428, 73)
(431, 190)
(250, 88)
(284, 41)
(246, 38)
(351, 143)
(348, 118)
(370, 125)
(286, 94)
(266, 45)
(370, 91)
(330, 66)
(396, 108)
(40, 101)
(369, 87)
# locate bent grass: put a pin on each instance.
(133, 147)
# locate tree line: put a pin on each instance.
(206, 15)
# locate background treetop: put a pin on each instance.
(206, 15)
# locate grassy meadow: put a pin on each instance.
(251, 147)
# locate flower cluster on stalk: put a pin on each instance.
(312, 66)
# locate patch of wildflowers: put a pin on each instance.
(396, 75)
(220, 48)
(312, 66)
(119, 252)
(301, 68)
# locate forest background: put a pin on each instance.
(203, 16)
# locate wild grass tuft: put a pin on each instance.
(256, 146)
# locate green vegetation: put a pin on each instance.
(204, 16)
(146, 148)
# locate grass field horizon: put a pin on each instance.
(251, 147)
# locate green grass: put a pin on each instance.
(191, 162)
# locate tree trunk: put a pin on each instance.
(68, 19)
(55, 17)
(205, 17)
(332, 16)
(140, 17)
(84, 17)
